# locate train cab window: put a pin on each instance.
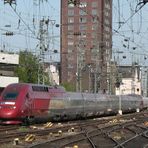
(10, 96)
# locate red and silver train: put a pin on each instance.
(22, 102)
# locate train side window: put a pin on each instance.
(40, 88)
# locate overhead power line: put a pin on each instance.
(141, 5)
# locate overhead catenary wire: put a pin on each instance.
(23, 21)
(136, 11)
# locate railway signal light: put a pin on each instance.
(75, 2)
(77, 33)
(55, 51)
(145, 1)
(9, 33)
(117, 84)
(10, 2)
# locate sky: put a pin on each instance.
(23, 20)
(131, 35)
(19, 19)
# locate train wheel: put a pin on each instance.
(65, 117)
(25, 122)
(79, 116)
(57, 118)
(28, 121)
(31, 120)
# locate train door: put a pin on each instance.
(28, 105)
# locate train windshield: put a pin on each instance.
(10, 96)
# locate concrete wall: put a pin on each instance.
(4, 81)
(9, 58)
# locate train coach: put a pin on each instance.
(27, 103)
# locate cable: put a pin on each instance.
(131, 16)
(23, 21)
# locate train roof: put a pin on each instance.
(40, 85)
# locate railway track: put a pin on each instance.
(119, 132)
(8, 128)
(104, 132)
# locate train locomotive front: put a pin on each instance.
(11, 102)
(26, 103)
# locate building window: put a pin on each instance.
(94, 27)
(83, 34)
(106, 13)
(83, 4)
(71, 5)
(94, 12)
(70, 33)
(82, 12)
(70, 42)
(70, 36)
(106, 21)
(70, 49)
(70, 66)
(107, 44)
(107, 6)
(94, 4)
(107, 36)
(93, 43)
(70, 57)
(94, 35)
(70, 19)
(95, 19)
(70, 27)
(82, 19)
(70, 12)
(106, 28)
(83, 27)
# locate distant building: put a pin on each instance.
(86, 42)
(130, 80)
(8, 62)
(53, 72)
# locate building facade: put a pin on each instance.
(130, 80)
(86, 42)
(8, 62)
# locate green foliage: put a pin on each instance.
(68, 86)
(27, 71)
(46, 79)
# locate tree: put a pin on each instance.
(68, 86)
(27, 71)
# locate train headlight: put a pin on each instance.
(12, 107)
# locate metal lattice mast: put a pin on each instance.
(43, 47)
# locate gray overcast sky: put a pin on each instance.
(136, 29)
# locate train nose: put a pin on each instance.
(7, 111)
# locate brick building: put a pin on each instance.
(86, 38)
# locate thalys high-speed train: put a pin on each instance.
(23, 102)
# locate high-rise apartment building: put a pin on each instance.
(86, 42)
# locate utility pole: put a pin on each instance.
(80, 64)
(133, 73)
(96, 70)
(43, 47)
